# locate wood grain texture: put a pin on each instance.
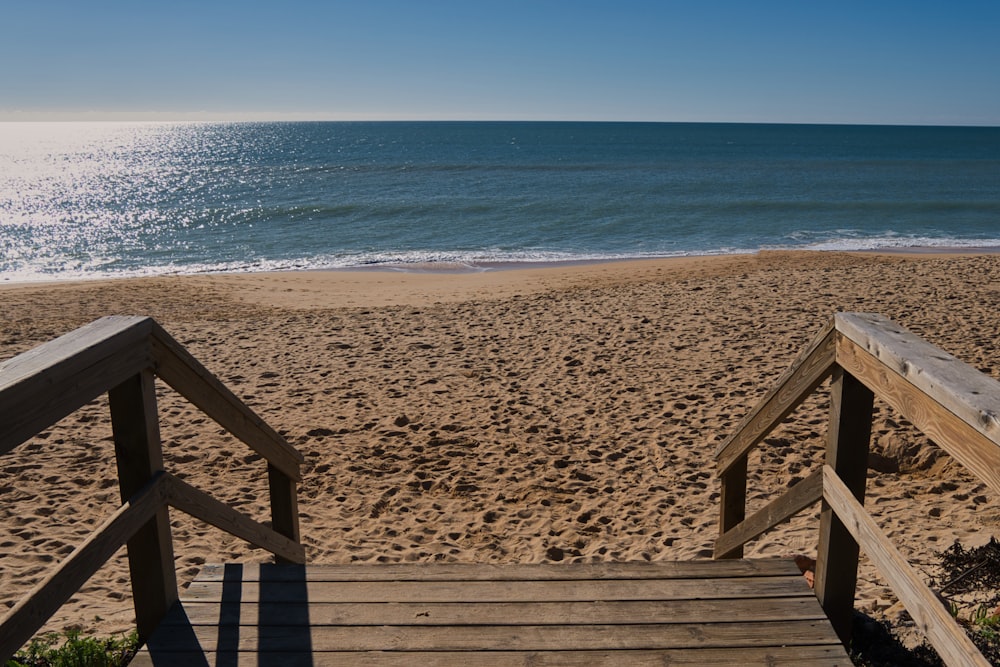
(805, 374)
(930, 615)
(519, 637)
(180, 370)
(732, 505)
(506, 591)
(139, 458)
(956, 435)
(793, 501)
(202, 506)
(470, 613)
(847, 444)
(972, 396)
(695, 569)
(498, 615)
(284, 509)
(772, 656)
(43, 385)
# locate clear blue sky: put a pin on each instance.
(843, 61)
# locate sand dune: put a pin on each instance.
(550, 414)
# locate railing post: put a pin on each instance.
(848, 440)
(733, 502)
(284, 505)
(135, 423)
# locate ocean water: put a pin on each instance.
(84, 200)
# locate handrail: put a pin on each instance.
(867, 356)
(121, 356)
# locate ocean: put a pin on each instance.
(82, 200)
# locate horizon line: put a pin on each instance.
(263, 117)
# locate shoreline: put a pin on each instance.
(462, 268)
(304, 290)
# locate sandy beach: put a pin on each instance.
(565, 413)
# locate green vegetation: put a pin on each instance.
(76, 651)
(985, 622)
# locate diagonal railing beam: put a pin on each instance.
(32, 611)
(804, 494)
(179, 369)
(807, 372)
(201, 505)
(930, 615)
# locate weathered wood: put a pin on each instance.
(930, 615)
(119, 355)
(33, 610)
(136, 430)
(604, 612)
(522, 637)
(498, 614)
(284, 509)
(771, 656)
(180, 370)
(43, 385)
(793, 501)
(201, 505)
(848, 441)
(732, 505)
(805, 374)
(956, 435)
(694, 569)
(951, 402)
(507, 591)
(973, 396)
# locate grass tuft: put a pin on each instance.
(71, 649)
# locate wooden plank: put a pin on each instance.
(930, 615)
(848, 441)
(201, 505)
(793, 501)
(973, 396)
(193, 381)
(139, 457)
(732, 505)
(520, 638)
(500, 613)
(772, 656)
(43, 385)
(546, 614)
(966, 443)
(695, 569)
(505, 591)
(805, 374)
(34, 609)
(284, 509)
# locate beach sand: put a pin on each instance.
(566, 413)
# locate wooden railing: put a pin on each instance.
(951, 402)
(121, 356)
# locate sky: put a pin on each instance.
(807, 61)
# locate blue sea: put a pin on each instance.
(80, 200)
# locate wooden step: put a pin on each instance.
(732, 612)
